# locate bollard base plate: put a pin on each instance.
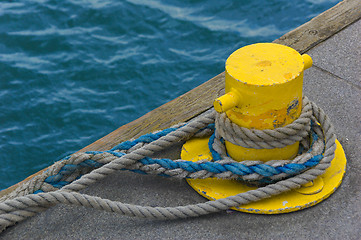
(309, 195)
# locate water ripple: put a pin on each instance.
(212, 22)
(52, 30)
(21, 60)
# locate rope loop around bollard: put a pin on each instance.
(23, 204)
(268, 138)
(303, 130)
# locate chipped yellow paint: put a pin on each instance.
(270, 119)
(263, 84)
(291, 201)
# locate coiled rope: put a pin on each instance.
(59, 185)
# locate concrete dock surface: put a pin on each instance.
(333, 83)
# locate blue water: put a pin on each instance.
(71, 71)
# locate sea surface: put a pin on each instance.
(71, 71)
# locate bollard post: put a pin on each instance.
(263, 85)
(263, 91)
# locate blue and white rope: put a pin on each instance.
(215, 167)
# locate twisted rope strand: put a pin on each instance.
(181, 134)
(39, 182)
(20, 208)
(180, 168)
(266, 139)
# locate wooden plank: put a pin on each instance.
(323, 26)
(200, 98)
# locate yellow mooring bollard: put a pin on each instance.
(264, 91)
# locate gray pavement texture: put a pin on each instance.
(340, 55)
(333, 83)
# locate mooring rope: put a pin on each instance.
(134, 155)
(268, 138)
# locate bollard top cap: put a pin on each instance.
(265, 64)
